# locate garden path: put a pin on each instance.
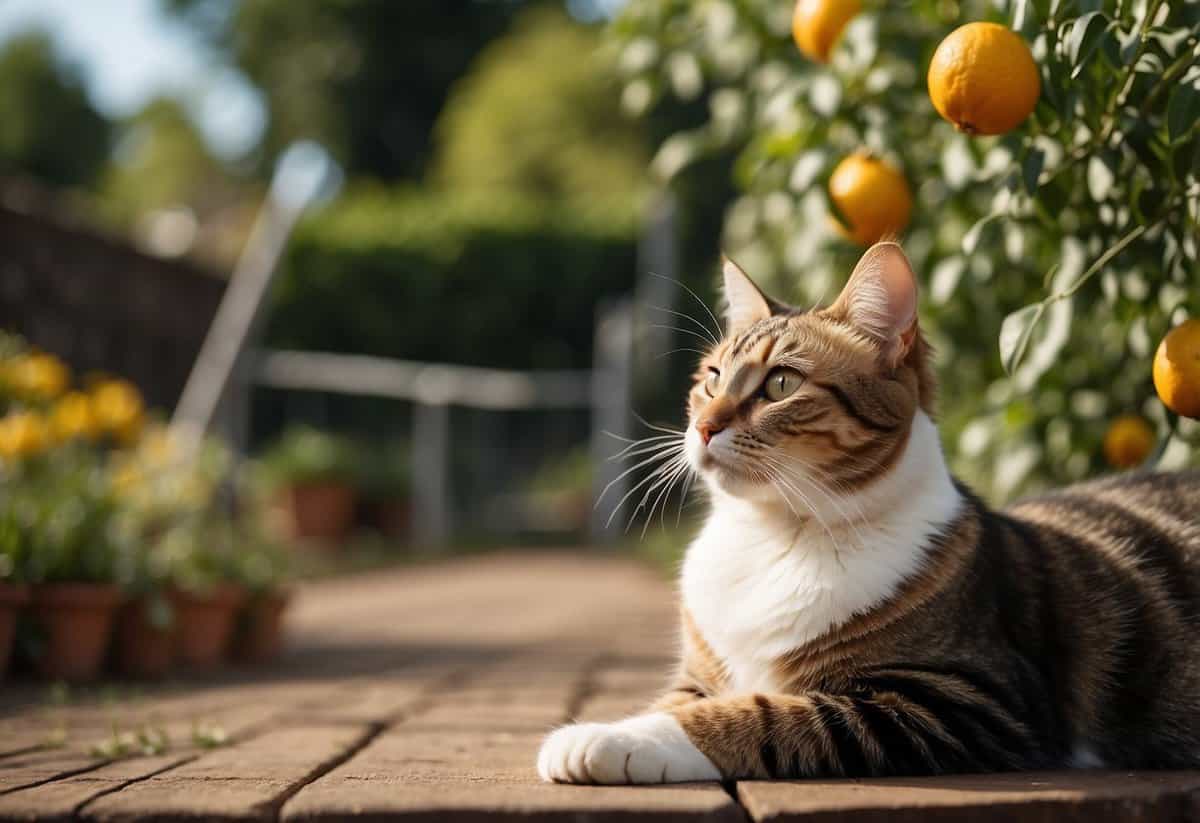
(423, 693)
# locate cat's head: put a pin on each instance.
(790, 397)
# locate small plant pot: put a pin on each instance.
(145, 637)
(260, 629)
(204, 624)
(13, 598)
(320, 511)
(77, 621)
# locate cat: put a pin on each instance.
(850, 609)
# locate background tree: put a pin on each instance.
(366, 77)
(48, 128)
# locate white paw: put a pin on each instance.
(651, 748)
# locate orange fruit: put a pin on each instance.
(873, 197)
(1128, 441)
(983, 79)
(1177, 369)
(817, 24)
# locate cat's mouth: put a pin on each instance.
(719, 459)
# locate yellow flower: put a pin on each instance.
(72, 417)
(23, 434)
(38, 376)
(118, 409)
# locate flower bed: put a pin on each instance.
(118, 543)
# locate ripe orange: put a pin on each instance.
(816, 25)
(1128, 441)
(983, 79)
(872, 195)
(1177, 369)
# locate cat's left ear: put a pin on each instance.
(745, 304)
(880, 299)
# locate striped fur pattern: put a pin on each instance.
(851, 610)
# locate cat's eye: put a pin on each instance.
(712, 382)
(782, 383)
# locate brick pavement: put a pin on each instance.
(422, 694)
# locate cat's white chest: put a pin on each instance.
(757, 588)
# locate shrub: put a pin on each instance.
(491, 280)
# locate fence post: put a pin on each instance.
(611, 385)
(431, 473)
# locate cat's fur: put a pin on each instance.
(849, 609)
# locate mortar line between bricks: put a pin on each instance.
(54, 778)
(79, 809)
(373, 731)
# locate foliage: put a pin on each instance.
(48, 128)
(1068, 246)
(366, 77)
(161, 161)
(444, 277)
(537, 114)
(307, 455)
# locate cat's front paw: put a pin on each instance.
(651, 748)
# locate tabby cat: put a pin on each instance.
(850, 609)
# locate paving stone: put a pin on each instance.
(1069, 797)
(61, 799)
(247, 781)
(418, 775)
(21, 770)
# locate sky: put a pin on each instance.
(131, 53)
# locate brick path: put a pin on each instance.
(423, 694)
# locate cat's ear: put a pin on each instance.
(880, 300)
(745, 305)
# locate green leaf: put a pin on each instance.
(1031, 169)
(1015, 334)
(1183, 110)
(971, 239)
(1084, 38)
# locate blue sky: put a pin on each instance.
(131, 53)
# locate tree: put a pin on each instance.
(366, 77)
(1053, 258)
(48, 127)
(537, 113)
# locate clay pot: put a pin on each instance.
(144, 647)
(12, 598)
(77, 619)
(204, 623)
(260, 633)
(320, 510)
(392, 517)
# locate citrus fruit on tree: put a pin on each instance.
(816, 25)
(872, 196)
(983, 79)
(1128, 441)
(1177, 369)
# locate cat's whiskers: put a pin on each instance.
(668, 459)
(665, 451)
(707, 331)
(696, 297)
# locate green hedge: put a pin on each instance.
(484, 280)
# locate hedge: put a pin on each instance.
(491, 280)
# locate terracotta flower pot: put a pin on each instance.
(320, 510)
(77, 619)
(12, 598)
(145, 647)
(204, 623)
(260, 633)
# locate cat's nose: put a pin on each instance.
(707, 428)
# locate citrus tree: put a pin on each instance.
(1043, 172)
